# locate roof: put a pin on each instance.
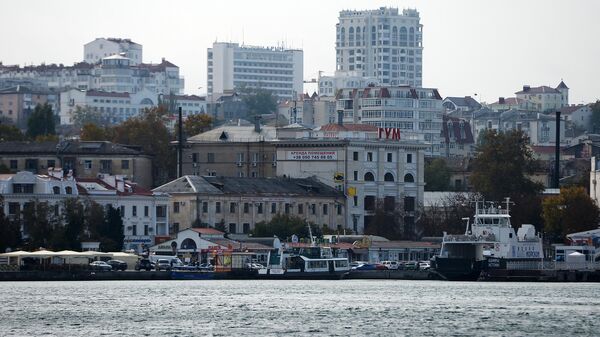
(188, 97)
(466, 101)
(306, 187)
(67, 147)
(572, 108)
(234, 133)
(130, 188)
(100, 93)
(116, 57)
(510, 101)
(207, 231)
(562, 85)
(348, 127)
(404, 244)
(152, 67)
(538, 90)
(119, 40)
(188, 184)
(460, 130)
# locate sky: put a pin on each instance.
(471, 47)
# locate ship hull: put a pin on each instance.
(458, 269)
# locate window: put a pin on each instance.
(273, 208)
(355, 156)
(22, 188)
(369, 156)
(232, 228)
(369, 203)
(355, 175)
(218, 207)
(246, 207)
(339, 209)
(287, 208)
(409, 158)
(409, 204)
(325, 209)
(13, 164)
(87, 164)
(194, 157)
(369, 176)
(355, 201)
(313, 209)
(145, 229)
(246, 228)
(300, 208)
(14, 208)
(122, 211)
(50, 163)
(210, 157)
(388, 177)
(134, 230)
(204, 207)
(134, 211)
(232, 207)
(68, 190)
(56, 190)
(389, 203)
(259, 208)
(408, 178)
(176, 207)
(146, 211)
(389, 157)
(124, 164)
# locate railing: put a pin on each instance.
(551, 265)
(469, 238)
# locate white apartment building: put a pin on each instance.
(329, 85)
(416, 112)
(144, 213)
(232, 66)
(381, 43)
(95, 51)
(113, 107)
(544, 98)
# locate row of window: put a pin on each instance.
(372, 156)
(369, 176)
(288, 208)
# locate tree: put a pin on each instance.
(437, 175)
(387, 221)
(284, 226)
(447, 215)
(501, 168)
(73, 219)
(38, 224)
(41, 121)
(10, 133)
(571, 211)
(596, 117)
(149, 131)
(93, 132)
(258, 101)
(87, 115)
(10, 232)
(198, 123)
(111, 234)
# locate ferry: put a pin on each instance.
(304, 263)
(490, 241)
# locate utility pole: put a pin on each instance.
(180, 146)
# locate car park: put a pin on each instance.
(100, 266)
(117, 264)
(144, 264)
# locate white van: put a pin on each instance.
(174, 260)
(390, 264)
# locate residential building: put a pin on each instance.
(277, 69)
(240, 203)
(457, 139)
(144, 213)
(329, 85)
(416, 112)
(189, 104)
(82, 159)
(324, 110)
(95, 51)
(466, 103)
(544, 98)
(112, 107)
(508, 103)
(381, 43)
(17, 103)
(579, 116)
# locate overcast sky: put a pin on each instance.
(489, 48)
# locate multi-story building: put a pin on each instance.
(381, 43)
(144, 213)
(544, 98)
(95, 51)
(578, 115)
(17, 103)
(329, 85)
(82, 159)
(457, 138)
(231, 66)
(416, 112)
(112, 107)
(466, 103)
(240, 203)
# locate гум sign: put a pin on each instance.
(388, 133)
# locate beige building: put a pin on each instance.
(17, 104)
(83, 159)
(240, 203)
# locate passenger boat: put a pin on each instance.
(489, 242)
(304, 263)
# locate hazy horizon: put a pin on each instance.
(488, 48)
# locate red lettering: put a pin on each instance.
(396, 134)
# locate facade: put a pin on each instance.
(112, 107)
(17, 103)
(466, 103)
(381, 43)
(240, 203)
(329, 85)
(231, 66)
(544, 98)
(82, 159)
(416, 112)
(367, 171)
(95, 51)
(578, 115)
(144, 214)
(508, 103)
(457, 139)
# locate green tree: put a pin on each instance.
(387, 221)
(4, 169)
(502, 168)
(596, 116)
(111, 233)
(10, 133)
(38, 224)
(149, 131)
(198, 123)
(571, 211)
(41, 121)
(437, 175)
(284, 226)
(10, 232)
(87, 115)
(73, 219)
(93, 132)
(258, 101)
(447, 215)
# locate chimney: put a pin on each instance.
(501, 100)
(257, 124)
(526, 88)
(340, 117)
(120, 186)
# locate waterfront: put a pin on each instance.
(298, 308)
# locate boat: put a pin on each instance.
(304, 263)
(489, 242)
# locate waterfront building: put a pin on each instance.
(381, 43)
(18, 102)
(277, 69)
(82, 159)
(238, 204)
(416, 112)
(144, 213)
(95, 51)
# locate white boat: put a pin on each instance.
(307, 262)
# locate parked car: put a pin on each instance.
(100, 266)
(355, 264)
(411, 265)
(390, 264)
(424, 265)
(144, 264)
(117, 264)
(206, 266)
(254, 266)
(163, 264)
